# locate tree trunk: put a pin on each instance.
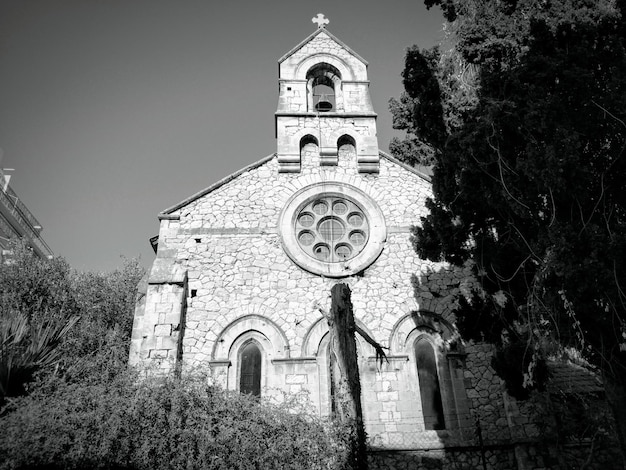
(347, 385)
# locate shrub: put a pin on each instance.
(164, 424)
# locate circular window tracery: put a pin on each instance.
(332, 229)
(330, 221)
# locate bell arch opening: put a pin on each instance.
(323, 87)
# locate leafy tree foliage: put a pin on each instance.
(99, 344)
(38, 289)
(529, 179)
(58, 322)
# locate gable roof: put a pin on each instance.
(167, 213)
(567, 377)
(314, 35)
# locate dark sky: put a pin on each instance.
(113, 110)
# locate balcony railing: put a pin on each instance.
(17, 213)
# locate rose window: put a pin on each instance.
(331, 229)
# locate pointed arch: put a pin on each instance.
(312, 345)
(420, 320)
(226, 339)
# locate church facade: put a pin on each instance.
(244, 269)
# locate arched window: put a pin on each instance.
(332, 375)
(250, 369)
(432, 407)
(323, 83)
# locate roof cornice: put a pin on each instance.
(424, 176)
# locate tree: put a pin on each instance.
(345, 377)
(346, 380)
(100, 342)
(529, 178)
(59, 323)
(39, 289)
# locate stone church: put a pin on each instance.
(244, 268)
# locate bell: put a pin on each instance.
(324, 104)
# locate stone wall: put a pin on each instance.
(443, 459)
(485, 393)
(236, 266)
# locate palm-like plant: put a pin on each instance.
(25, 349)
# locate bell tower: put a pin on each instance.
(324, 100)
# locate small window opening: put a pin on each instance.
(198, 240)
(432, 407)
(194, 292)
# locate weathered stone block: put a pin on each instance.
(168, 342)
(387, 396)
(163, 330)
(296, 379)
(158, 353)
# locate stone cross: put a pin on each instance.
(320, 20)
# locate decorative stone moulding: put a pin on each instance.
(332, 229)
(329, 156)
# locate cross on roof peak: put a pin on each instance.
(320, 20)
